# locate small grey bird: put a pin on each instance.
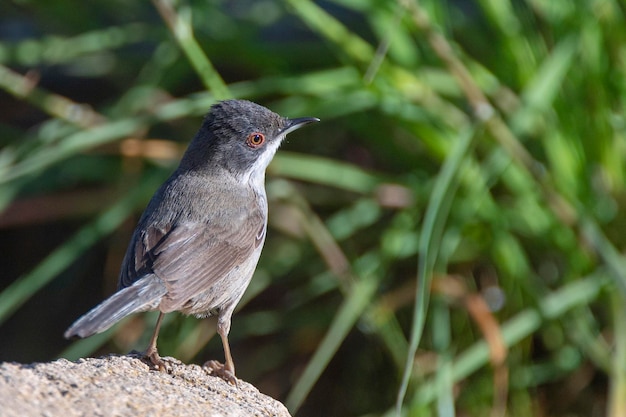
(198, 242)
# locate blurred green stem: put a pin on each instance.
(434, 221)
(356, 302)
(617, 395)
(442, 333)
(180, 25)
(45, 156)
(320, 21)
(25, 87)
(525, 323)
(24, 287)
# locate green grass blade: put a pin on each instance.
(434, 220)
(617, 395)
(71, 145)
(445, 387)
(324, 171)
(539, 95)
(522, 325)
(24, 287)
(332, 29)
(180, 26)
(605, 249)
(351, 309)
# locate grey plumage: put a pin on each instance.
(144, 295)
(197, 243)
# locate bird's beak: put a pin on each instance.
(293, 124)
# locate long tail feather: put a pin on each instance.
(143, 295)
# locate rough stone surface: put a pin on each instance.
(125, 386)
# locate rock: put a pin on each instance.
(125, 386)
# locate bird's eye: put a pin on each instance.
(255, 139)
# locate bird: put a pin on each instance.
(197, 244)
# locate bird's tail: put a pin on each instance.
(143, 295)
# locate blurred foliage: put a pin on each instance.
(447, 241)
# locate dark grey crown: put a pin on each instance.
(221, 140)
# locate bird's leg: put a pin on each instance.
(151, 352)
(229, 366)
(225, 371)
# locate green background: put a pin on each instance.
(448, 241)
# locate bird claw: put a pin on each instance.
(159, 363)
(219, 369)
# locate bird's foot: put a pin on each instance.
(219, 369)
(152, 355)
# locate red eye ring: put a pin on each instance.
(255, 139)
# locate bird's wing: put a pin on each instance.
(192, 257)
